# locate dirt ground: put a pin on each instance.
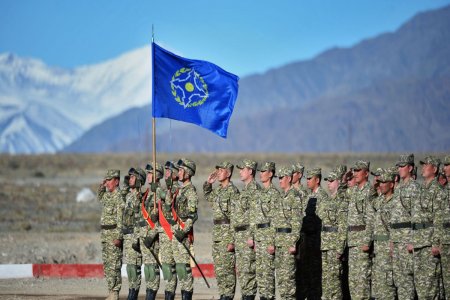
(41, 220)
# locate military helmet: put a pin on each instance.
(139, 174)
(159, 170)
(188, 165)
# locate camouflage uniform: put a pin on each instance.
(111, 229)
(301, 273)
(332, 239)
(445, 236)
(261, 210)
(427, 215)
(165, 243)
(147, 233)
(222, 199)
(382, 270)
(401, 232)
(185, 206)
(240, 221)
(359, 221)
(302, 190)
(287, 221)
(131, 216)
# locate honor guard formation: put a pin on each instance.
(384, 238)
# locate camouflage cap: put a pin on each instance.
(405, 159)
(430, 160)
(361, 165)
(393, 170)
(268, 166)
(188, 165)
(298, 167)
(313, 172)
(225, 165)
(377, 172)
(284, 171)
(159, 169)
(332, 176)
(110, 174)
(386, 176)
(170, 165)
(446, 160)
(340, 170)
(247, 163)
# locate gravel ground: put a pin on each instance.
(80, 289)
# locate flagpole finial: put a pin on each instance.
(153, 33)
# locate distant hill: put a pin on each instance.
(388, 93)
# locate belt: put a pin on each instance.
(380, 237)
(401, 225)
(241, 228)
(127, 230)
(357, 228)
(221, 222)
(108, 227)
(447, 225)
(329, 229)
(417, 226)
(263, 225)
(284, 230)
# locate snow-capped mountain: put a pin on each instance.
(36, 98)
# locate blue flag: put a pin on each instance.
(192, 91)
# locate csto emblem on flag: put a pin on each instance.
(189, 88)
(193, 91)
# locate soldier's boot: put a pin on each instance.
(185, 295)
(133, 294)
(169, 295)
(265, 298)
(248, 297)
(227, 298)
(150, 294)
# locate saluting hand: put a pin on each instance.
(212, 177)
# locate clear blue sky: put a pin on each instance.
(242, 36)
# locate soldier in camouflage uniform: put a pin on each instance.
(243, 239)
(147, 232)
(131, 216)
(185, 214)
(333, 216)
(287, 221)
(111, 231)
(222, 198)
(297, 176)
(427, 217)
(375, 183)
(382, 271)
(401, 227)
(261, 211)
(165, 221)
(442, 179)
(445, 239)
(359, 221)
